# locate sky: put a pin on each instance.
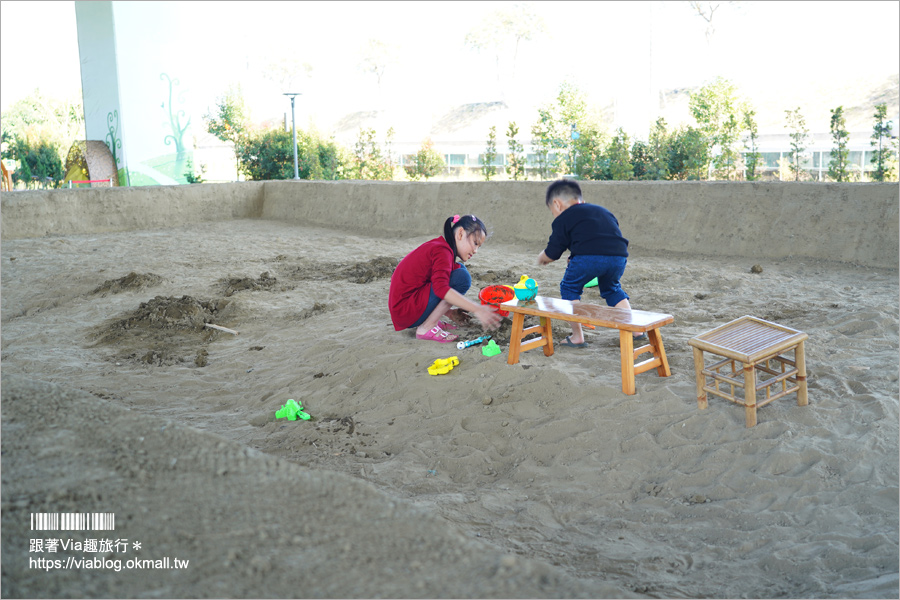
(610, 50)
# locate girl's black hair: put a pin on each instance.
(469, 223)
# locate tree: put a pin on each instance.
(542, 143)
(706, 10)
(716, 107)
(620, 166)
(640, 159)
(688, 154)
(753, 157)
(428, 163)
(40, 120)
(502, 32)
(377, 56)
(515, 160)
(230, 119)
(488, 169)
(881, 134)
(796, 123)
(369, 162)
(657, 167)
(389, 152)
(553, 131)
(287, 73)
(838, 167)
(591, 161)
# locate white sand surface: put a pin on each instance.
(540, 479)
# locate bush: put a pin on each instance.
(428, 162)
(269, 155)
(40, 162)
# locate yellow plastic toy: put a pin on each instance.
(442, 366)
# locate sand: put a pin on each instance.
(535, 480)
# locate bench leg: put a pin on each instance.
(515, 338)
(626, 349)
(701, 379)
(547, 334)
(659, 352)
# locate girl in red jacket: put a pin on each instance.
(428, 282)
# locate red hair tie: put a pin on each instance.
(455, 219)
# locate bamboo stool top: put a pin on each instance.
(748, 339)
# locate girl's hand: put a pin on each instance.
(488, 317)
(543, 259)
(459, 316)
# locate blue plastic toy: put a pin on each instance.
(478, 340)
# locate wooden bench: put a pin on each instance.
(626, 321)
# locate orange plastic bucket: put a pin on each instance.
(493, 295)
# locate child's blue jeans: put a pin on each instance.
(460, 280)
(607, 269)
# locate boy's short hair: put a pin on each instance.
(565, 189)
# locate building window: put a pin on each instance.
(499, 160)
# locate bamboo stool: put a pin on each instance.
(758, 346)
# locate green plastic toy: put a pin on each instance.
(592, 283)
(291, 410)
(492, 349)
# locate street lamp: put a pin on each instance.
(294, 128)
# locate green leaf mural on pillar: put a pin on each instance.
(114, 141)
(178, 130)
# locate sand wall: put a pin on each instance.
(36, 213)
(855, 223)
(852, 223)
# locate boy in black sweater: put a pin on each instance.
(596, 249)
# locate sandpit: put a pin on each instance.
(535, 480)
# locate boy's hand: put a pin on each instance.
(543, 259)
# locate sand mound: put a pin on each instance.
(381, 267)
(131, 282)
(164, 331)
(237, 284)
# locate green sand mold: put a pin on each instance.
(291, 410)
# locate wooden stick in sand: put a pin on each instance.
(220, 328)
